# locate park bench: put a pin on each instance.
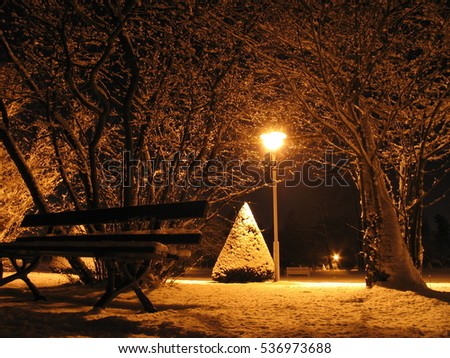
(298, 270)
(127, 253)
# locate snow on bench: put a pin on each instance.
(128, 255)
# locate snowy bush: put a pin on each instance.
(245, 256)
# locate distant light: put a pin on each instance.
(336, 257)
(273, 140)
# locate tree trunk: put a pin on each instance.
(395, 266)
(19, 161)
(38, 197)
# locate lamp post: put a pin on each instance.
(272, 142)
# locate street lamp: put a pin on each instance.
(273, 141)
(336, 259)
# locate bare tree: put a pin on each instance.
(155, 102)
(371, 79)
(143, 102)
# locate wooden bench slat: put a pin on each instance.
(168, 237)
(109, 249)
(170, 211)
(103, 254)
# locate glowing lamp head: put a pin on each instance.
(336, 257)
(273, 140)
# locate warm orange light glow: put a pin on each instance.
(273, 140)
(336, 257)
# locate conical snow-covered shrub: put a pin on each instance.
(245, 256)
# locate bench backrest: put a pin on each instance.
(170, 211)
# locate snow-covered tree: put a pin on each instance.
(245, 256)
(371, 80)
(373, 83)
(141, 102)
(174, 84)
(144, 102)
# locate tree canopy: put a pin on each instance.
(139, 102)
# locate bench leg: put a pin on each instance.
(147, 305)
(128, 280)
(22, 270)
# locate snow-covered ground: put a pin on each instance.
(202, 308)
